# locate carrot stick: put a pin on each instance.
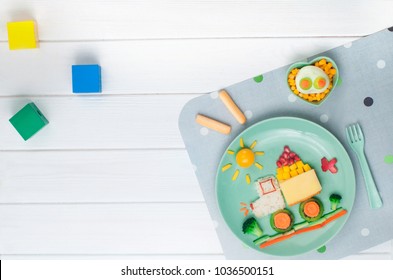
(243, 204)
(335, 217)
(274, 241)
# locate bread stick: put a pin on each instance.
(213, 124)
(232, 107)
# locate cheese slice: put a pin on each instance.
(301, 187)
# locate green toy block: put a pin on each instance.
(28, 121)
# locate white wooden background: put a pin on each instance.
(109, 177)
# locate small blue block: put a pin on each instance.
(86, 78)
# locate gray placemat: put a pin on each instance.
(365, 95)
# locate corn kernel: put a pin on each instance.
(293, 167)
(286, 169)
(280, 177)
(286, 175)
(307, 167)
(293, 173)
(280, 170)
(299, 164)
(300, 170)
(322, 62)
(296, 91)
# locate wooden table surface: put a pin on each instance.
(109, 177)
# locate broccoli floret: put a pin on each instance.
(334, 201)
(251, 226)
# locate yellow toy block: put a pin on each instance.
(307, 167)
(293, 167)
(286, 169)
(300, 171)
(22, 35)
(293, 173)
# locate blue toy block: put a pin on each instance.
(86, 78)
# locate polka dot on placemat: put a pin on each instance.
(204, 131)
(292, 98)
(388, 159)
(381, 64)
(368, 101)
(258, 79)
(339, 81)
(324, 118)
(248, 114)
(348, 45)
(390, 29)
(322, 249)
(214, 94)
(365, 232)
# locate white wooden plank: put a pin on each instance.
(152, 228)
(375, 256)
(115, 257)
(97, 176)
(385, 247)
(122, 19)
(101, 122)
(155, 66)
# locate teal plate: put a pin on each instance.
(311, 142)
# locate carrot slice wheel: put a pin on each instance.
(282, 220)
(311, 209)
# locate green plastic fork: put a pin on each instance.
(356, 141)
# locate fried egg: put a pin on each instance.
(311, 79)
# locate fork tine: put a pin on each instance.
(360, 133)
(354, 133)
(349, 138)
(351, 134)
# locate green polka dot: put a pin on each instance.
(388, 159)
(322, 249)
(339, 81)
(258, 79)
